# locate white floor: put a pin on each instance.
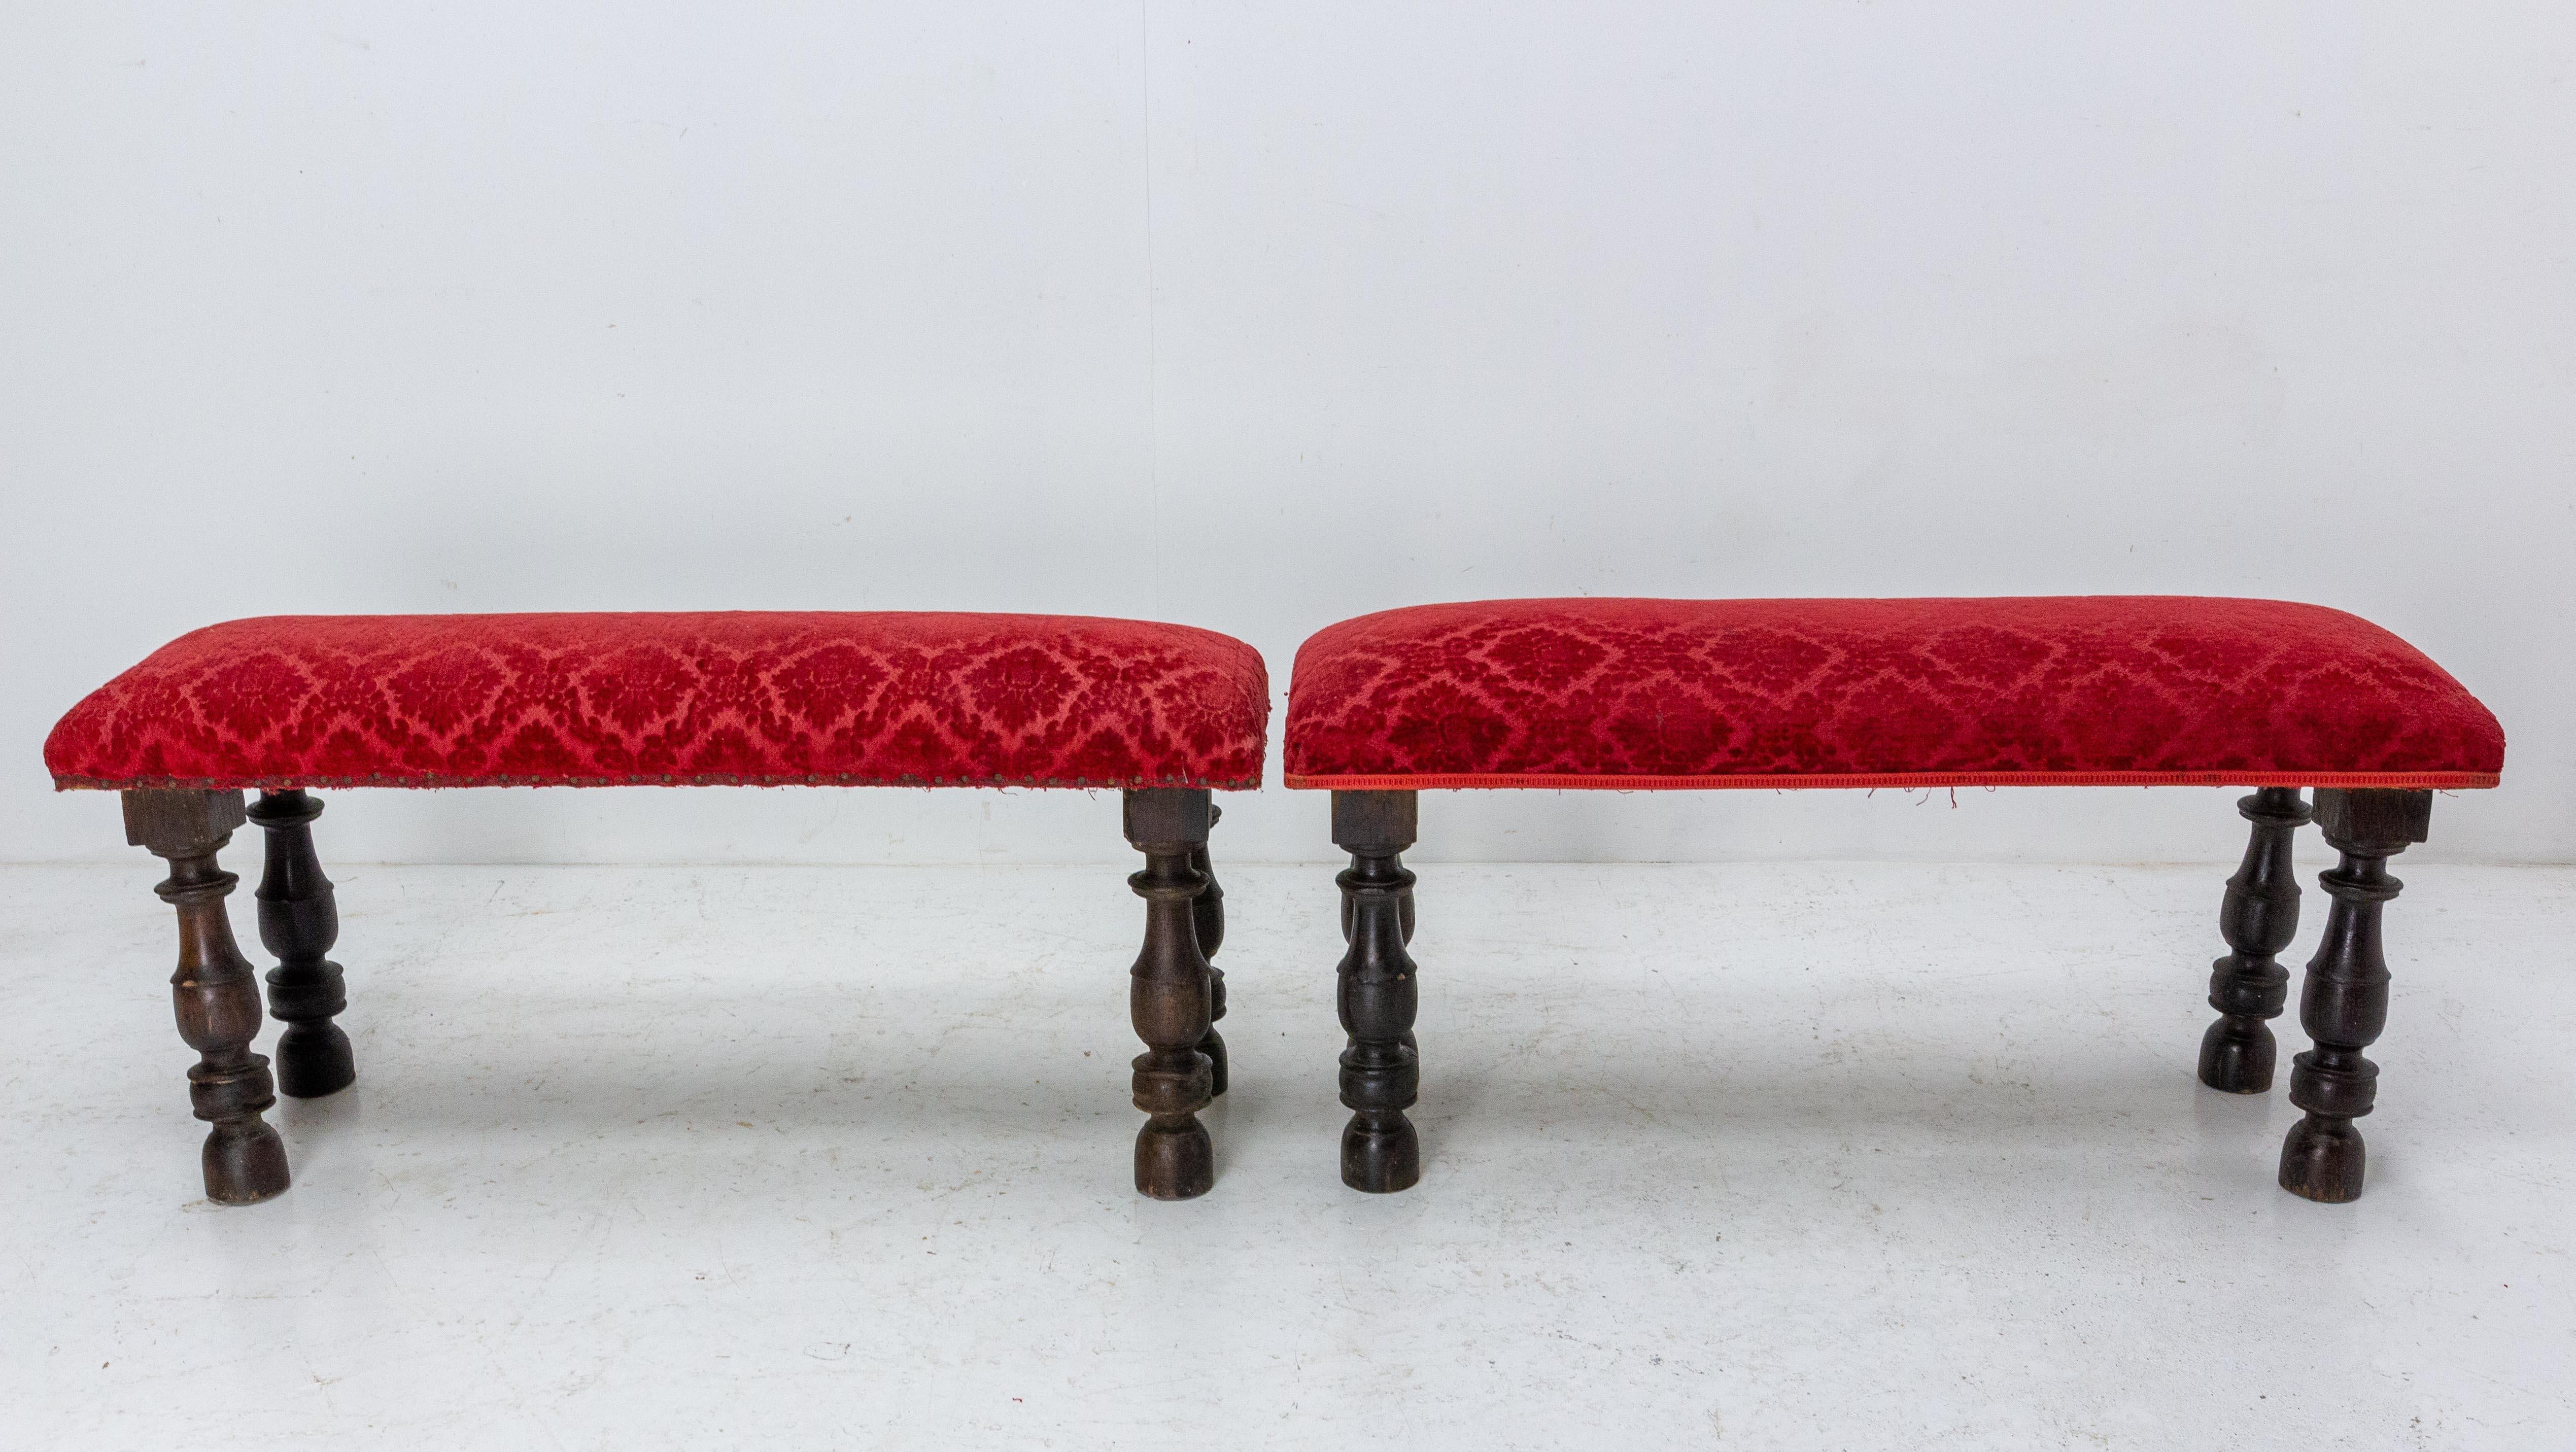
(1829, 1156)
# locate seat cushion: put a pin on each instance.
(750, 698)
(1860, 693)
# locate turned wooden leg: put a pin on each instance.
(2258, 920)
(1404, 915)
(1207, 915)
(1381, 1072)
(1404, 910)
(299, 921)
(1168, 995)
(2344, 1002)
(214, 991)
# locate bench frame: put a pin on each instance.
(2343, 1003)
(1175, 995)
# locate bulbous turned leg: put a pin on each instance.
(1381, 1071)
(1404, 910)
(2258, 919)
(214, 991)
(2344, 1002)
(1404, 918)
(1168, 993)
(299, 921)
(1207, 915)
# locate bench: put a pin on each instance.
(1633, 695)
(1165, 714)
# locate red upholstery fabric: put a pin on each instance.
(751, 698)
(1811, 693)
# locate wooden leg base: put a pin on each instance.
(2322, 1160)
(2233, 1062)
(1175, 1164)
(1381, 1159)
(245, 1165)
(314, 1060)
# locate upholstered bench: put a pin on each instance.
(2098, 691)
(1162, 713)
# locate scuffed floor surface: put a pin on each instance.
(1808, 1156)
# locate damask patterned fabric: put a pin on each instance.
(1628, 694)
(737, 698)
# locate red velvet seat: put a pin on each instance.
(1629, 694)
(743, 698)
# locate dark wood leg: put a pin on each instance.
(1404, 915)
(299, 921)
(214, 991)
(1167, 995)
(2344, 1002)
(2258, 920)
(1207, 915)
(1381, 1072)
(1404, 910)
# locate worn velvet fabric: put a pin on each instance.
(1814, 693)
(753, 698)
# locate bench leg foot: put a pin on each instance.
(1167, 995)
(2259, 918)
(214, 991)
(1381, 1070)
(299, 921)
(2344, 1002)
(1207, 916)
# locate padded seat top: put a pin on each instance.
(2080, 690)
(718, 698)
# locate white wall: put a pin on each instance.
(1261, 316)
